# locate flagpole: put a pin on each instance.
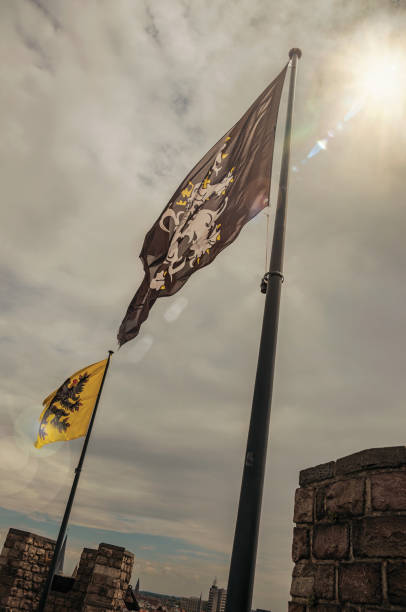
(68, 508)
(242, 566)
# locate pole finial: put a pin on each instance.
(295, 51)
(111, 352)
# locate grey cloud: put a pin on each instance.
(43, 61)
(44, 10)
(181, 103)
(151, 27)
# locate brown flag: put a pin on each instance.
(227, 188)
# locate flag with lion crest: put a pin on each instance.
(67, 411)
(227, 188)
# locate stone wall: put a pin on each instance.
(100, 583)
(23, 565)
(109, 579)
(349, 543)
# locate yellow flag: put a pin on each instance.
(67, 410)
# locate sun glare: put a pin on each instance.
(382, 81)
(381, 84)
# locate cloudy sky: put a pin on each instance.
(105, 107)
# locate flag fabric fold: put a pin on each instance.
(67, 411)
(227, 188)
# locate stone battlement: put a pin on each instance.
(100, 582)
(349, 543)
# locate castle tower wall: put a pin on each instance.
(109, 579)
(72, 600)
(349, 543)
(24, 563)
(100, 583)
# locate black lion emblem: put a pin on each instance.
(68, 398)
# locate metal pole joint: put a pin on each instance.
(266, 277)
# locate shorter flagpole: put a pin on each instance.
(68, 508)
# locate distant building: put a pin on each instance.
(192, 604)
(157, 602)
(217, 598)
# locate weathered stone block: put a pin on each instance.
(102, 560)
(324, 581)
(98, 579)
(380, 536)
(12, 602)
(346, 497)
(325, 608)
(302, 579)
(300, 545)
(331, 541)
(94, 608)
(94, 589)
(317, 473)
(396, 577)
(360, 583)
(17, 534)
(320, 503)
(114, 549)
(13, 565)
(388, 491)
(391, 456)
(303, 512)
(14, 554)
(104, 570)
(88, 552)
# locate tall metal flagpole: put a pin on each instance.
(68, 508)
(242, 567)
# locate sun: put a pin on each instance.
(367, 72)
(381, 79)
(379, 82)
